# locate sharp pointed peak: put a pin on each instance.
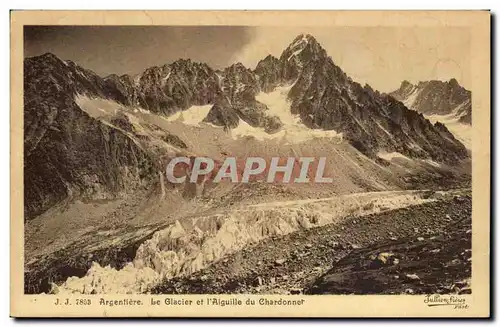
(48, 55)
(303, 39)
(237, 66)
(453, 82)
(270, 57)
(302, 42)
(405, 84)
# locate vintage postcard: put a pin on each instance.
(250, 164)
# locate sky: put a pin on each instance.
(380, 56)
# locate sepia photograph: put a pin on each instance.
(273, 160)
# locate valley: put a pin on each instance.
(101, 216)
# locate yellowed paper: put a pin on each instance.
(250, 164)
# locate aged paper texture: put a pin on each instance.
(250, 164)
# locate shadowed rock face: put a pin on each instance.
(174, 87)
(239, 86)
(67, 152)
(223, 114)
(303, 50)
(325, 97)
(437, 98)
(268, 72)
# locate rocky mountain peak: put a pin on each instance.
(405, 85)
(268, 58)
(303, 50)
(453, 83)
(302, 40)
(436, 97)
(60, 76)
(182, 62)
(268, 72)
(48, 56)
(239, 72)
(237, 67)
(187, 64)
(269, 62)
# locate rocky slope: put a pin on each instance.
(428, 264)
(325, 97)
(67, 153)
(415, 250)
(437, 98)
(194, 241)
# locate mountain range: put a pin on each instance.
(437, 98)
(68, 149)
